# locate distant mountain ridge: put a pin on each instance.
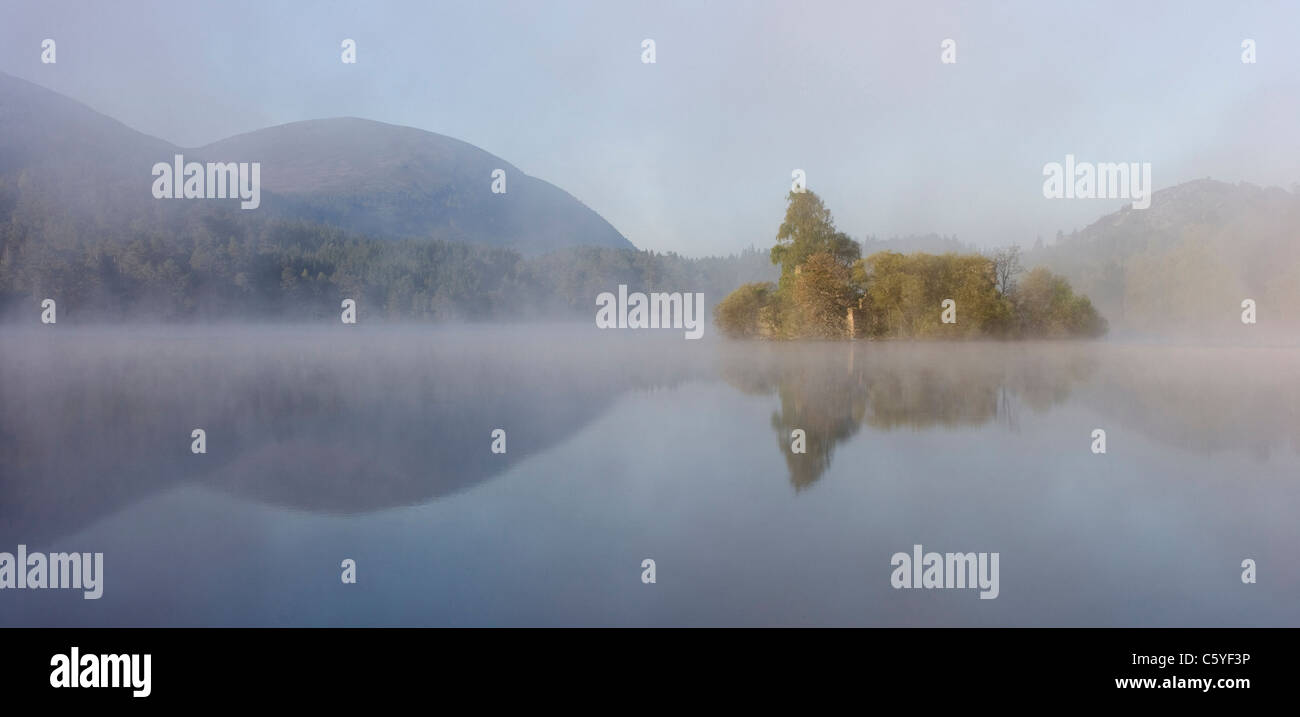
(1185, 264)
(358, 175)
(406, 220)
(402, 221)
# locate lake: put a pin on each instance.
(374, 444)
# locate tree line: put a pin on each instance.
(218, 263)
(827, 289)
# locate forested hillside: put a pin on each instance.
(222, 263)
(1184, 265)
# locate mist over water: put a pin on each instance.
(373, 443)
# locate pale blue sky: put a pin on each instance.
(694, 153)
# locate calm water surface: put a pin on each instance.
(374, 444)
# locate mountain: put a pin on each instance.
(384, 180)
(1184, 265)
(401, 221)
(45, 132)
(353, 174)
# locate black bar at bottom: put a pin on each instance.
(206, 667)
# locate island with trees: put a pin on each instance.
(828, 290)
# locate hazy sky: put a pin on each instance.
(694, 153)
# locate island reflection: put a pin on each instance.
(831, 391)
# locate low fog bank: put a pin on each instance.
(350, 419)
(339, 419)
